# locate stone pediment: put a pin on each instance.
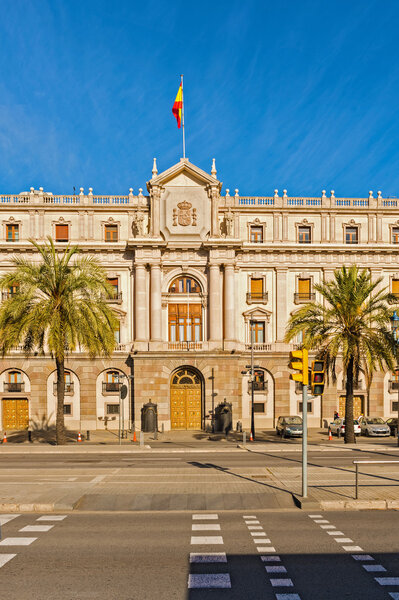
(257, 312)
(184, 173)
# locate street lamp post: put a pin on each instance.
(395, 333)
(122, 376)
(252, 381)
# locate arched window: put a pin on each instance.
(185, 312)
(15, 382)
(184, 285)
(111, 383)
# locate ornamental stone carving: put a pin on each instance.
(184, 214)
(138, 224)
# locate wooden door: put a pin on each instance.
(15, 413)
(185, 400)
(358, 406)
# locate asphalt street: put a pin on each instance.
(201, 555)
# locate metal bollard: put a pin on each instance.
(244, 438)
(87, 435)
(155, 434)
(141, 439)
(339, 432)
(163, 428)
(29, 435)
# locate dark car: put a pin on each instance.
(393, 425)
(290, 426)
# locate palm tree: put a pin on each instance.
(59, 306)
(352, 325)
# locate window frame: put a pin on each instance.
(308, 230)
(61, 239)
(355, 228)
(108, 227)
(15, 229)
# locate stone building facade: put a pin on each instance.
(193, 271)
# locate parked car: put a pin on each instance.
(290, 426)
(339, 425)
(393, 425)
(374, 426)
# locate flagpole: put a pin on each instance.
(182, 114)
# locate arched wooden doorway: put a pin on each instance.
(185, 399)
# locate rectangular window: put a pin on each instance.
(257, 330)
(67, 409)
(112, 409)
(395, 287)
(395, 406)
(309, 407)
(304, 289)
(111, 233)
(256, 288)
(114, 283)
(259, 407)
(304, 235)
(12, 233)
(61, 233)
(185, 322)
(395, 235)
(351, 235)
(117, 335)
(256, 234)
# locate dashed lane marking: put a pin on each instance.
(21, 541)
(275, 569)
(262, 541)
(352, 548)
(321, 521)
(344, 540)
(210, 557)
(254, 527)
(362, 557)
(252, 522)
(210, 581)
(337, 533)
(35, 528)
(4, 558)
(52, 518)
(374, 568)
(288, 597)
(316, 516)
(281, 582)
(205, 527)
(270, 558)
(258, 533)
(328, 526)
(7, 518)
(387, 580)
(394, 595)
(206, 539)
(205, 517)
(249, 517)
(266, 549)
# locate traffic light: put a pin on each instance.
(299, 362)
(317, 377)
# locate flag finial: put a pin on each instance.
(154, 169)
(213, 171)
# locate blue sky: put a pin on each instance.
(284, 94)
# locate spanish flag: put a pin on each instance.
(178, 105)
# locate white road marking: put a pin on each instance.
(258, 533)
(249, 517)
(218, 580)
(335, 533)
(4, 558)
(210, 557)
(328, 526)
(252, 522)
(21, 541)
(206, 539)
(266, 549)
(262, 541)
(205, 527)
(352, 548)
(275, 569)
(373, 568)
(212, 517)
(98, 478)
(271, 558)
(35, 528)
(387, 580)
(344, 540)
(321, 521)
(52, 518)
(281, 582)
(288, 597)
(316, 516)
(394, 595)
(7, 518)
(253, 527)
(362, 557)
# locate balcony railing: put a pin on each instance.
(393, 386)
(116, 297)
(259, 386)
(111, 386)
(257, 297)
(69, 388)
(185, 346)
(259, 347)
(14, 387)
(304, 297)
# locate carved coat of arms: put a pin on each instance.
(184, 215)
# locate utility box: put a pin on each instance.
(149, 417)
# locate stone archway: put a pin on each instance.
(186, 399)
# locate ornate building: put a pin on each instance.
(193, 271)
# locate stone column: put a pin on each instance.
(156, 304)
(229, 317)
(140, 303)
(215, 320)
(281, 304)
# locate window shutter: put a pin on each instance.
(256, 287)
(395, 286)
(304, 286)
(61, 232)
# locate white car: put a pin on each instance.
(339, 425)
(374, 426)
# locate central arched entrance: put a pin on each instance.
(185, 399)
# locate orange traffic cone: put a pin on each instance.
(5, 438)
(79, 437)
(329, 434)
(251, 437)
(134, 436)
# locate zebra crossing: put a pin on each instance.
(207, 556)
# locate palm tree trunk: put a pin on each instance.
(59, 425)
(349, 428)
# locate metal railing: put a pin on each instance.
(111, 386)
(257, 296)
(115, 297)
(368, 462)
(68, 388)
(14, 386)
(304, 297)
